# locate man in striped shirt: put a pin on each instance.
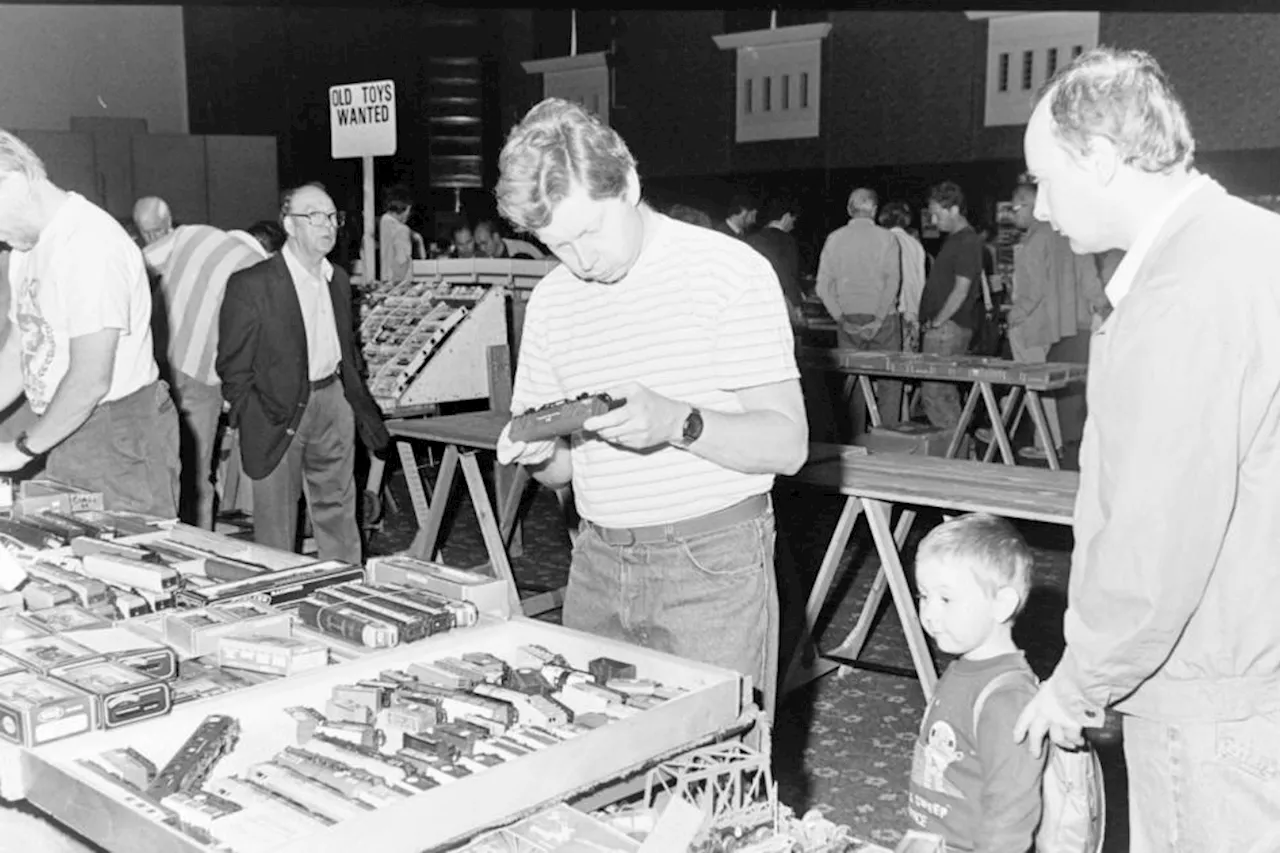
(690, 328)
(193, 263)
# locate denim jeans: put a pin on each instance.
(128, 451)
(941, 400)
(711, 597)
(200, 406)
(1204, 787)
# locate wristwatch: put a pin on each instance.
(21, 443)
(692, 430)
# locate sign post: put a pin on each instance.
(362, 123)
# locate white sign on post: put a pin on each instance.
(362, 119)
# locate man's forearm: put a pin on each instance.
(72, 403)
(1022, 309)
(757, 442)
(952, 305)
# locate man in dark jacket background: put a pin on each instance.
(777, 243)
(292, 377)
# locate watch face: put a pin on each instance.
(692, 427)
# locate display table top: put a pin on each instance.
(956, 368)
(958, 485)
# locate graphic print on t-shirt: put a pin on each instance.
(933, 755)
(38, 346)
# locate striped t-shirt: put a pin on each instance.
(699, 316)
(194, 263)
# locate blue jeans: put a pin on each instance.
(711, 597)
(128, 451)
(1204, 787)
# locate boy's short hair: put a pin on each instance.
(989, 546)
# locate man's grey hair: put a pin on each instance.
(1122, 96)
(17, 156)
(863, 201)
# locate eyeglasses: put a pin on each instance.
(319, 218)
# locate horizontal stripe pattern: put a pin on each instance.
(698, 317)
(194, 263)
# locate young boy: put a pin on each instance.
(978, 793)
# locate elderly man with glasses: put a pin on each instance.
(293, 381)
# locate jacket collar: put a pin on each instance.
(1167, 222)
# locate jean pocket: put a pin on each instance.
(1251, 746)
(733, 551)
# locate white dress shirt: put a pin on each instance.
(323, 352)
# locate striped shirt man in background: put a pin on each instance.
(690, 328)
(193, 263)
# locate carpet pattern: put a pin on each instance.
(843, 743)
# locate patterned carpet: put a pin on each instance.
(843, 743)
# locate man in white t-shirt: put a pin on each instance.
(81, 307)
(690, 328)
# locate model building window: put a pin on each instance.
(1041, 41)
(766, 61)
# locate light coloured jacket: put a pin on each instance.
(1174, 599)
(1055, 291)
(911, 255)
(858, 271)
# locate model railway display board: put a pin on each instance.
(425, 343)
(425, 340)
(239, 776)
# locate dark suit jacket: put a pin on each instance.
(723, 227)
(780, 248)
(262, 361)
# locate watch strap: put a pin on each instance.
(21, 443)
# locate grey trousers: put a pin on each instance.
(888, 338)
(319, 463)
(200, 406)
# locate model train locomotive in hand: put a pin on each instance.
(561, 418)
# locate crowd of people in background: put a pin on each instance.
(880, 288)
